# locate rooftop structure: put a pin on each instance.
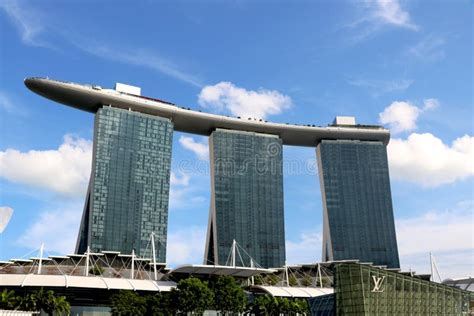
(466, 283)
(90, 98)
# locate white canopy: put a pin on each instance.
(243, 272)
(93, 282)
(300, 292)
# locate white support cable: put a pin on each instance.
(248, 255)
(24, 256)
(320, 276)
(57, 266)
(431, 267)
(87, 261)
(252, 280)
(24, 280)
(154, 254)
(75, 266)
(40, 258)
(229, 258)
(233, 252)
(241, 260)
(434, 268)
(133, 264)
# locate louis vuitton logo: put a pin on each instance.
(378, 282)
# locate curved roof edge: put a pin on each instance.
(296, 292)
(91, 98)
(91, 282)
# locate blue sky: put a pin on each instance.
(404, 64)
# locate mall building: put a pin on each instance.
(330, 288)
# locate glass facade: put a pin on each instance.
(129, 188)
(364, 290)
(247, 198)
(323, 305)
(358, 215)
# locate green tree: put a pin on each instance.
(62, 306)
(160, 304)
(47, 301)
(306, 281)
(324, 282)
(26, 302)
(128, 303)
(193, 296)
(8, 299)
(229, 297)
(270, 279)
(292, 280)
(301, 306)
(269, 305)
(261, 305)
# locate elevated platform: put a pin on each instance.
(90, 98)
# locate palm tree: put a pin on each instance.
(26, 302)
(8, 299)
(61, 305)
(50, 303)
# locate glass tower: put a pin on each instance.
(127, 198)
(247, 199)
(358, 218)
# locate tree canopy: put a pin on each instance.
(39, 300)
(128, 303)
(229, 297)
(269, 305)
(193, 295)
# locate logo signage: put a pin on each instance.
(378, 282)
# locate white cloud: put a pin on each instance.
(139, 57)
(27, 20)
(390, 12)
(374, 15)
(6, 103)
(57, 228)
(201, 149)
(6, 213)
(401, 116)
(447, 234)
(185, 198)
(182, 179)
(429, 49)
(305, 250)
(182, 194)
(186, 246)
(65, 170)
(226, 97)
(426, 160)
(32, 23)
(430, 104)
(379, 87)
